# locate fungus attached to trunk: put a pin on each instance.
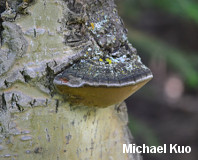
(109, 70)
(96, 82)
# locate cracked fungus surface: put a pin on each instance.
(109, 59)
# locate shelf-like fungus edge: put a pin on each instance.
(86, 84)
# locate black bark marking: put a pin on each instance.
(57, 105)
(3, 105)
(34, 33)
(20, 108)
(92, 146)
(26, 77)
(47, 135)
(68, 138)
(38, 150)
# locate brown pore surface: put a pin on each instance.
(98, 96)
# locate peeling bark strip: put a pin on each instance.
(42, 39)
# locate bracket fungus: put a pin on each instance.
(108, 69)
(101, 85)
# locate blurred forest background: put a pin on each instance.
(165, 111)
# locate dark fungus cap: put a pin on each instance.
(123, 68)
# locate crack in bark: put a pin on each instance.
(3, 104)
(57, 105)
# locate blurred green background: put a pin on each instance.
(165, 34)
